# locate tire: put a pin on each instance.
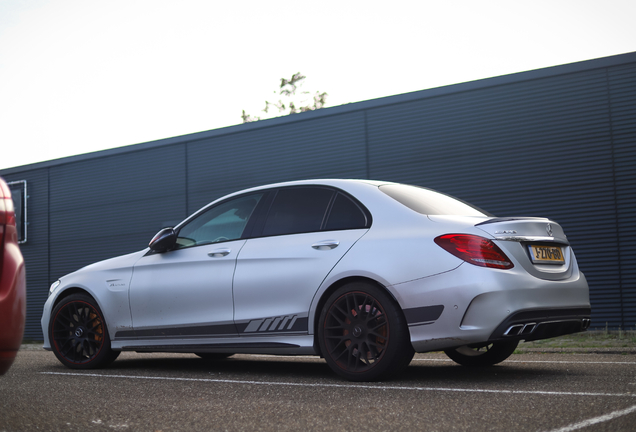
(79, 335)
(363, 334)
(214, 356)
(484, 355)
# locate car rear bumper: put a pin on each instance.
(539, 324)
(482, 305)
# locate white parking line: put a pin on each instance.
(347, 386)
(540, 361)
(451, 361)
(596, 420)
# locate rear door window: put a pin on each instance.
(297, 210)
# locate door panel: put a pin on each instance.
(190, 288)
(277, 277)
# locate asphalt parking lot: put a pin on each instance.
(179, 392)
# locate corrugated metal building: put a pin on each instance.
(557, 142)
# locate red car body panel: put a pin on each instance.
(12, 283)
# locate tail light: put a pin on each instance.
(475, 250)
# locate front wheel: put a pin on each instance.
(363, 334)
(482, 355)
(78, 333)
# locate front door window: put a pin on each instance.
(223, 222)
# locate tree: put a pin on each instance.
(292, 100)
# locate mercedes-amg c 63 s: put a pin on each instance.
(362, 273)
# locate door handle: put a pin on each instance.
(218, 253)
(326, 245)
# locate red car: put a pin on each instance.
(12, 283)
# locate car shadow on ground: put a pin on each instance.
(240, 367)
(280, 369)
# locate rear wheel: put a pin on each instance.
(482, 355)
(78, 333)
(363, 334)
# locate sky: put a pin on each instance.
(78, 76)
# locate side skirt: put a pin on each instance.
(281, 345)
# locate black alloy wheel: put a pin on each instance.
(79, 336)
(363, 335)
(482, 354)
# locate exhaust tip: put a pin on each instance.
(528, 328)
(514, 330)
(585, 323)
(520, 329)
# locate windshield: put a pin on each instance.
(429, 202)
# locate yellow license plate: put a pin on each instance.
(546, 254)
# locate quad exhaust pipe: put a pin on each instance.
(528, 328)
(520, 329)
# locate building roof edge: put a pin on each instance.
(564, 69)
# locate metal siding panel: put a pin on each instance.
(622, 87)
(110, 206)
(325, 147)
(414, 138)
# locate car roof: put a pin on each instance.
(344, 184)
(339, 183)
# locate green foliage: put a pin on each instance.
(292, 100)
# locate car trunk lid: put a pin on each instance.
(524, 229)
(539, 245)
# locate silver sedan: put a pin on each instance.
(362, 273)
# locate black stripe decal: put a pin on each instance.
(206, 330)
(290, 323)
(209, 348)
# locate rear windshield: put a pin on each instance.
(429, 202)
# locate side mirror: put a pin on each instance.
(164, 240)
